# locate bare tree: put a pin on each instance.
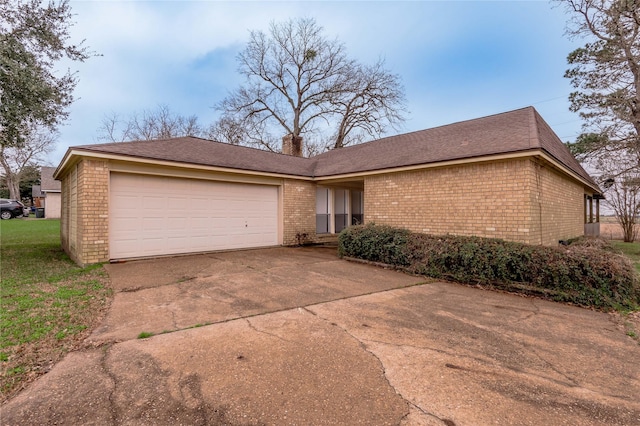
(113, 129)
(371, 99)
(17, 160)
(243, 131)
(298, 82)
(160, 123)
(623, 196)
(228, 130)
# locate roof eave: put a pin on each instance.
(441, 163)
(468, 160)
(63, 164)
(73, 153)
(551, 159)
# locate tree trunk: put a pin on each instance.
(627, 221)
(12, 179)
(629, 232)
(13, 183)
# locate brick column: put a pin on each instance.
(93, 211)
(299, 210)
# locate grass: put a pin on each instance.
(631, 250)
(48, 305)
(631, 320)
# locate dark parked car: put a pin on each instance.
(10, 208)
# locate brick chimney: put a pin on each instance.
(292, 146)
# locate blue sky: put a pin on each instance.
(458, 60)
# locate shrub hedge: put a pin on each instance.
(583, 273)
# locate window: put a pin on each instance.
(322, 210)
(338, 208)
(341, 211)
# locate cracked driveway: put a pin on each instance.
(295, 336)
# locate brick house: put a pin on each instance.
(506, 176)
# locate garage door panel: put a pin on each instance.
(151, 215)
(152, 203)
(178, 201)
(153, 223)
(178, 230)
(175, 244)
(124, 197)
(201, 223)
(150, 246)
(125, 225)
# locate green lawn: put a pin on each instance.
(48, 304)
(630, 320)
(632, 250)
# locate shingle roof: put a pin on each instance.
(552, 144)
(510, 132)
(204, 152)
(47, 182)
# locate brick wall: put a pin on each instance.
(483, 199)
(93, 210)
(518, 200)
(85, 206)
(558, 206)
(299, 211)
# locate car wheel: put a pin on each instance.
(6, 215)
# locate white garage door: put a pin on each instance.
(152, 215)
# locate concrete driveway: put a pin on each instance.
(295, 336)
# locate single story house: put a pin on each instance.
(52, 191)
(506, 176)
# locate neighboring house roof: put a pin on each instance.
(47, 182)
(517, 131)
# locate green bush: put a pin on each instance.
(584, 273)
(375, 243)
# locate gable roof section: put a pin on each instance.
(192, 150)
(47, 182)
(518, 131)
(551, 143)
(498, 134)
(511, 132)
